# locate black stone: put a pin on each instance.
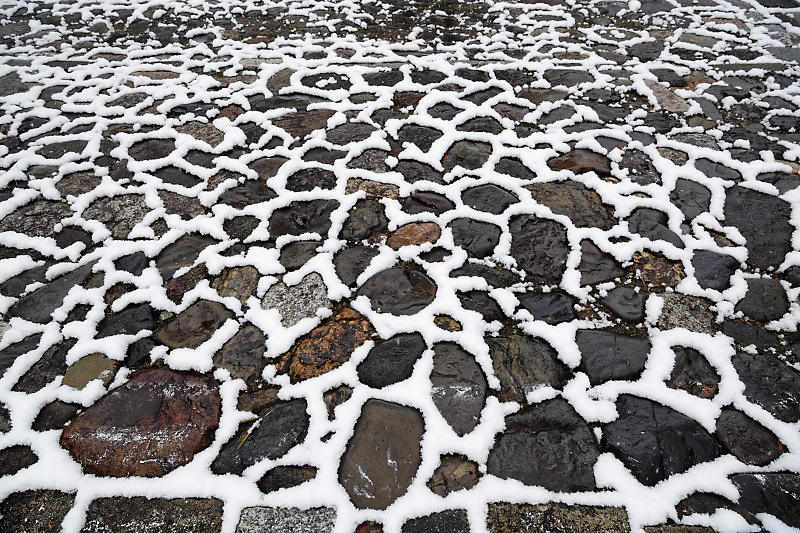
(38, 306)
(399, 291)
(427, 202)
(450, 521)
(10, 353)
(421, 136)
(138, 353)
(514, 167)
(770, 383)
(693, 373)
(15, 286)
(308, 179)
(763, 220)
(481, 302)
(282, 477)
(654, 441)
(51, 364)
(765, 300)
(478, 239)
(55, 415)
(776, 493)
(496, 277)
(181, 253)
(414, 171)
(551, 307)
(546, 445)
(489, 198)
(609, 356)
(352, 261)
(745, 334)
(596, 266)
(298, 253)
(15, 458)
(713, 270)
(129, 321)
(540, 247)
(653, 225)
(625, 303)
(391, 361)
(366, 220)
(312, 216)
(690, 197)
(746, 439)
(248, 193)
(133, 263)
(282, 427)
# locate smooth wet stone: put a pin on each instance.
(296, 254)
(248, 193)
(312, 216)
(656, 269)
(366, 220)
(326, 347)
(181, 253)
(450, 521)
(776, 493)
(551, 307)
(458, 387)
(15, 286)
(746, 439)
(296, 302)
(134, 263)
(765, 300)
(693, 373)
(596, 266)
(625, 303)
(488, 198)
(746, 333)
(151, 149)
(523, 363)
(383, 454)
(51, 364)
(149, 426)
(454, 473)
(129, 321)
(654, 441)
(763, 220)
(653, 225)
(35, 511)
(691, 198)
(10, 353)
(770, 383)
(469, 155)
(282, 427)
(427, 202)
(514, 167)
(422, 137)
(546, 445)
(352, 261)
(414, 171)
(194, 326)
(119, 213)
(607, 356)
(481, 302)
(582, 205)
(177, 176)
(88, 368)
(713, 270)
(540, 247)
(237, 282)
(282, 477)
(286, 519)
(478, 239)
(145, 515)
(55, 415)
(580, 161)
(243, 355)
(399, 291)
(391, 361)
(556, 518)
(15, 458)
(38, 306)
(689, 312)
(414, 234)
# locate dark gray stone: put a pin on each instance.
(690, 197)
(478, 239)
(625, 303)
(183, 252)
(540, 247)
(596, 266)
(765, 300)
(427, 202)
(481, 302)
(763, 220)
(35, 511)
(421, 136)
(51, 364)
(713, 270)
(129, 321)
(55, 415)
(458, 387)
(10, 353)
(15, 458)
(366, 220)
(746, 439)
(451, 521)
(312, 216)
(745, 334)
(522, 363)
(133, 263)
(607, 356)
(489, 198)
(298, 253)
(194, 326)
(153, 515)
(546, 445)
(470, 155)
(551, 307)
(39, 305)
(282, 477)
(653, 225)
(399, 291)
(391, 361)
(776, 493)
(352, 261)
(770, 383)
(693, 373)
(282, 427)
(654, 441)
(243, 354)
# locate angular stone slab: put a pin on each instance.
(522, 363)
(546, 445)
(144, 515)
(153, 424)
(556, 518)
(609, 356)
(383, 454)
(459, 387)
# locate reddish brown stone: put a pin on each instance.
(148, 427)
(327, 346)
(453, 473)
(415, 233)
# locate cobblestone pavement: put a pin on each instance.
(402, 266)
